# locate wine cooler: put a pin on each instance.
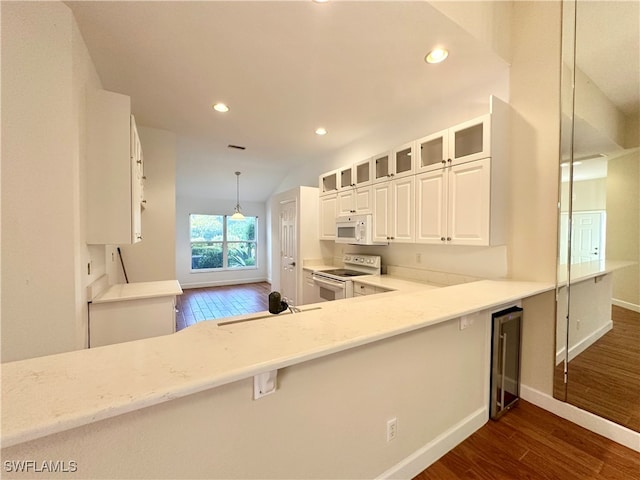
(505, 360)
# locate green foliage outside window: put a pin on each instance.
(213, 235)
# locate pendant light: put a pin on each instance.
(237, 214)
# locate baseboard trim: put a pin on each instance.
(599, 425)
(221, 283)
(435, 449)
(585, 343)
(627, 305)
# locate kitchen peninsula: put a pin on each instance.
(357, 361)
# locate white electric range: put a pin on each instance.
(337, 284)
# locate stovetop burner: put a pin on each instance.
(341, 272)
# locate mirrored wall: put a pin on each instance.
(598, 314)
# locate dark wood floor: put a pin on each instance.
(605, 378)
(531, 443)
(213, 303)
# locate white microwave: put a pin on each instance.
(356, 230)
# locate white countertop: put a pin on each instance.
(46, 395)
(584, 271)
(136, 291)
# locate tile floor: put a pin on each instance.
(201, 304)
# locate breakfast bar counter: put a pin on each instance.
(46, 395)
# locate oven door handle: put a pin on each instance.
(334, 285)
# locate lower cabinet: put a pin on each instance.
(310, 291)
(361, 289)
(127, 320)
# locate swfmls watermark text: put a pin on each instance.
(40, 466)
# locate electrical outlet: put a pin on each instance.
(392, 429)
(466, 321)
(418, 258)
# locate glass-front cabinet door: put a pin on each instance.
(403, 160)
(362, 173)
(346, 177)
(382, 167)
(470, 140)
(432, 152)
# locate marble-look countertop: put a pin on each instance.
(46, 395)
(139, 290)
(587, 270)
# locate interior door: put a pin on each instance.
(586, 243)
(288, 251)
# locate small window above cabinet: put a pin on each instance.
(328, 183)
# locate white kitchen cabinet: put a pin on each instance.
(327, 217)
(394, 211)
(114, 171)
(329, 183)
(397, 163)
(431, 211)
(361, 289)
(462, 143)
(133, 311)
(346, 178)
(403, 161)
(310, 291)
(381, 167)
(463, 202)
(363, 173)
(454, 204)
(355, 200)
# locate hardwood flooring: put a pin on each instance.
(605, 378)
(211, 303)
(531, 443)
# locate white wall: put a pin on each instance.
(45, 71)
(212, 206)
(154, 257)
(535, 140)
(623, 226)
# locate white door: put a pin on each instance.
(346, 202)
(288, 251)
(431, 192)
(328, 212)
(404, 209)
(587, 237)
(381, 209)
(469, 203)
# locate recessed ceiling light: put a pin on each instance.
(220, 107)
(321, 131)
(436, 55)
(320, 1)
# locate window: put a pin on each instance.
(220, 243)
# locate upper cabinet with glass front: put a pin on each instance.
(462, 143)
(328, 182)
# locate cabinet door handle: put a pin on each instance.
(442, 239)
(444, 162)
(449, 160)
(448, 239)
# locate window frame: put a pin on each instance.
(225, 245)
